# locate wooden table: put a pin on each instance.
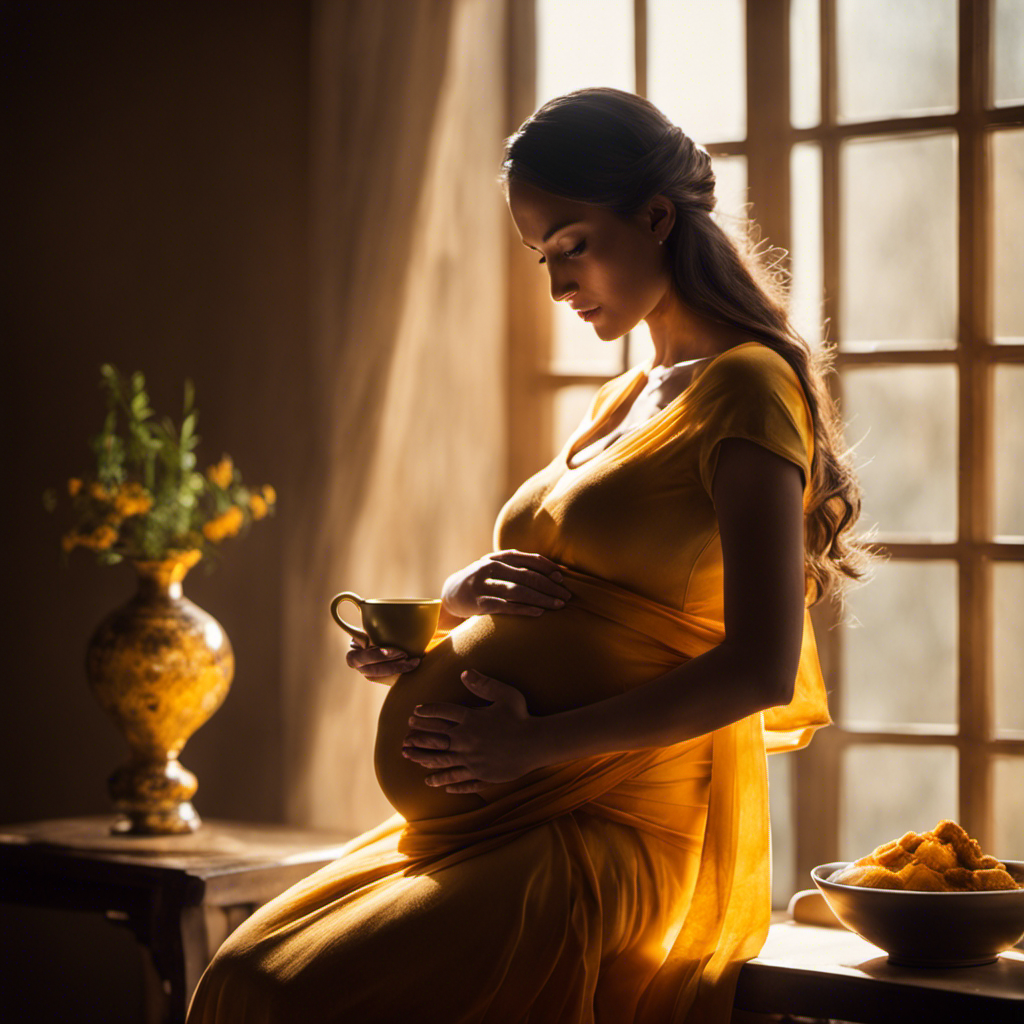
(830, 973)
(180, 895)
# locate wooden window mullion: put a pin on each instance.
(975, 423)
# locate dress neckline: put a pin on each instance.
(642, 372)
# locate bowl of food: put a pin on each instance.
(930, 899)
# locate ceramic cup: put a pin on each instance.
(407, 623)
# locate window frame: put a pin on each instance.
(767, 148)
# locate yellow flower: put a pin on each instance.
(74, 486)
(222, 473)
(226, 525)
(132, 500)
(103, 537)
(269, 495)
(100, 539)
(257, 506)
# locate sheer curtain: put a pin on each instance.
(406, 366)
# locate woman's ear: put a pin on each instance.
(661, 215)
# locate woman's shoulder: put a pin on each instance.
(751, 362)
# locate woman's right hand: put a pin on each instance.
(379, 662)
(505, 583)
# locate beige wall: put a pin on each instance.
(156, 206)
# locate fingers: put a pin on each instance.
(423, 739)
(379, 662)
(529, 560)
(451, 713)
(519, 582)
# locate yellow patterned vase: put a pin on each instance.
(160, 666)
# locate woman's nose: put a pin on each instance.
(561, 286)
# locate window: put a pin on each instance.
(883, 146)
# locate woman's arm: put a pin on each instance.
(759, 502)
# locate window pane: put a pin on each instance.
(900, 656)
(804, 63)
(807, 286)
(1009, 451)
(575, 348)
(1008, 51)
(903, 421)
(1008, 786)
(731, 209)
(583, 43)
(1008, 645)
(899, 242)
(888, 789)
(696, 70)
(570, 406)
(780, 785)
(1008, 236)
(895, 58)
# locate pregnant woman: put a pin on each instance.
(578, 761)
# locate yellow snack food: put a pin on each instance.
(946, 859)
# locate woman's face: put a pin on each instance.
(596, 258)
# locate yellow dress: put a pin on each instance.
(624, 888)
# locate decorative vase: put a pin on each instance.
(160, 666)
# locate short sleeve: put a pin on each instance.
(753, 393)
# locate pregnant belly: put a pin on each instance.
(563, 659)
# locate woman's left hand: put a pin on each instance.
(475, 747)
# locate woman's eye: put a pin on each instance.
(576, 250)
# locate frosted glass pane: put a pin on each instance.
(570, 406)
(899, 242)
(895, 58)
(575, 348)
(1008, 644)
(1008, 51)
(582, 43)
(888, 789)
(804, 63)
(1009, 451)
(900, 654)
(807, 287)
(1008, 236)
(903, 421)
(696, 70)
(1008, 794)
(731, 210)
(780, 788)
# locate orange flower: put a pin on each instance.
(226, 525)
(70, 541)
(132, 500)
(269, 495)
(74, 486)
(98, 492)
(100, 539)
(222, 473)
(257, 506)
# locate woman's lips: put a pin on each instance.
(588, 314)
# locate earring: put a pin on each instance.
(661, 241)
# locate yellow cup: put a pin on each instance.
(407, 623)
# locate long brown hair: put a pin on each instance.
(617, 150)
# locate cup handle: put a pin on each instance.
(354, 631)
